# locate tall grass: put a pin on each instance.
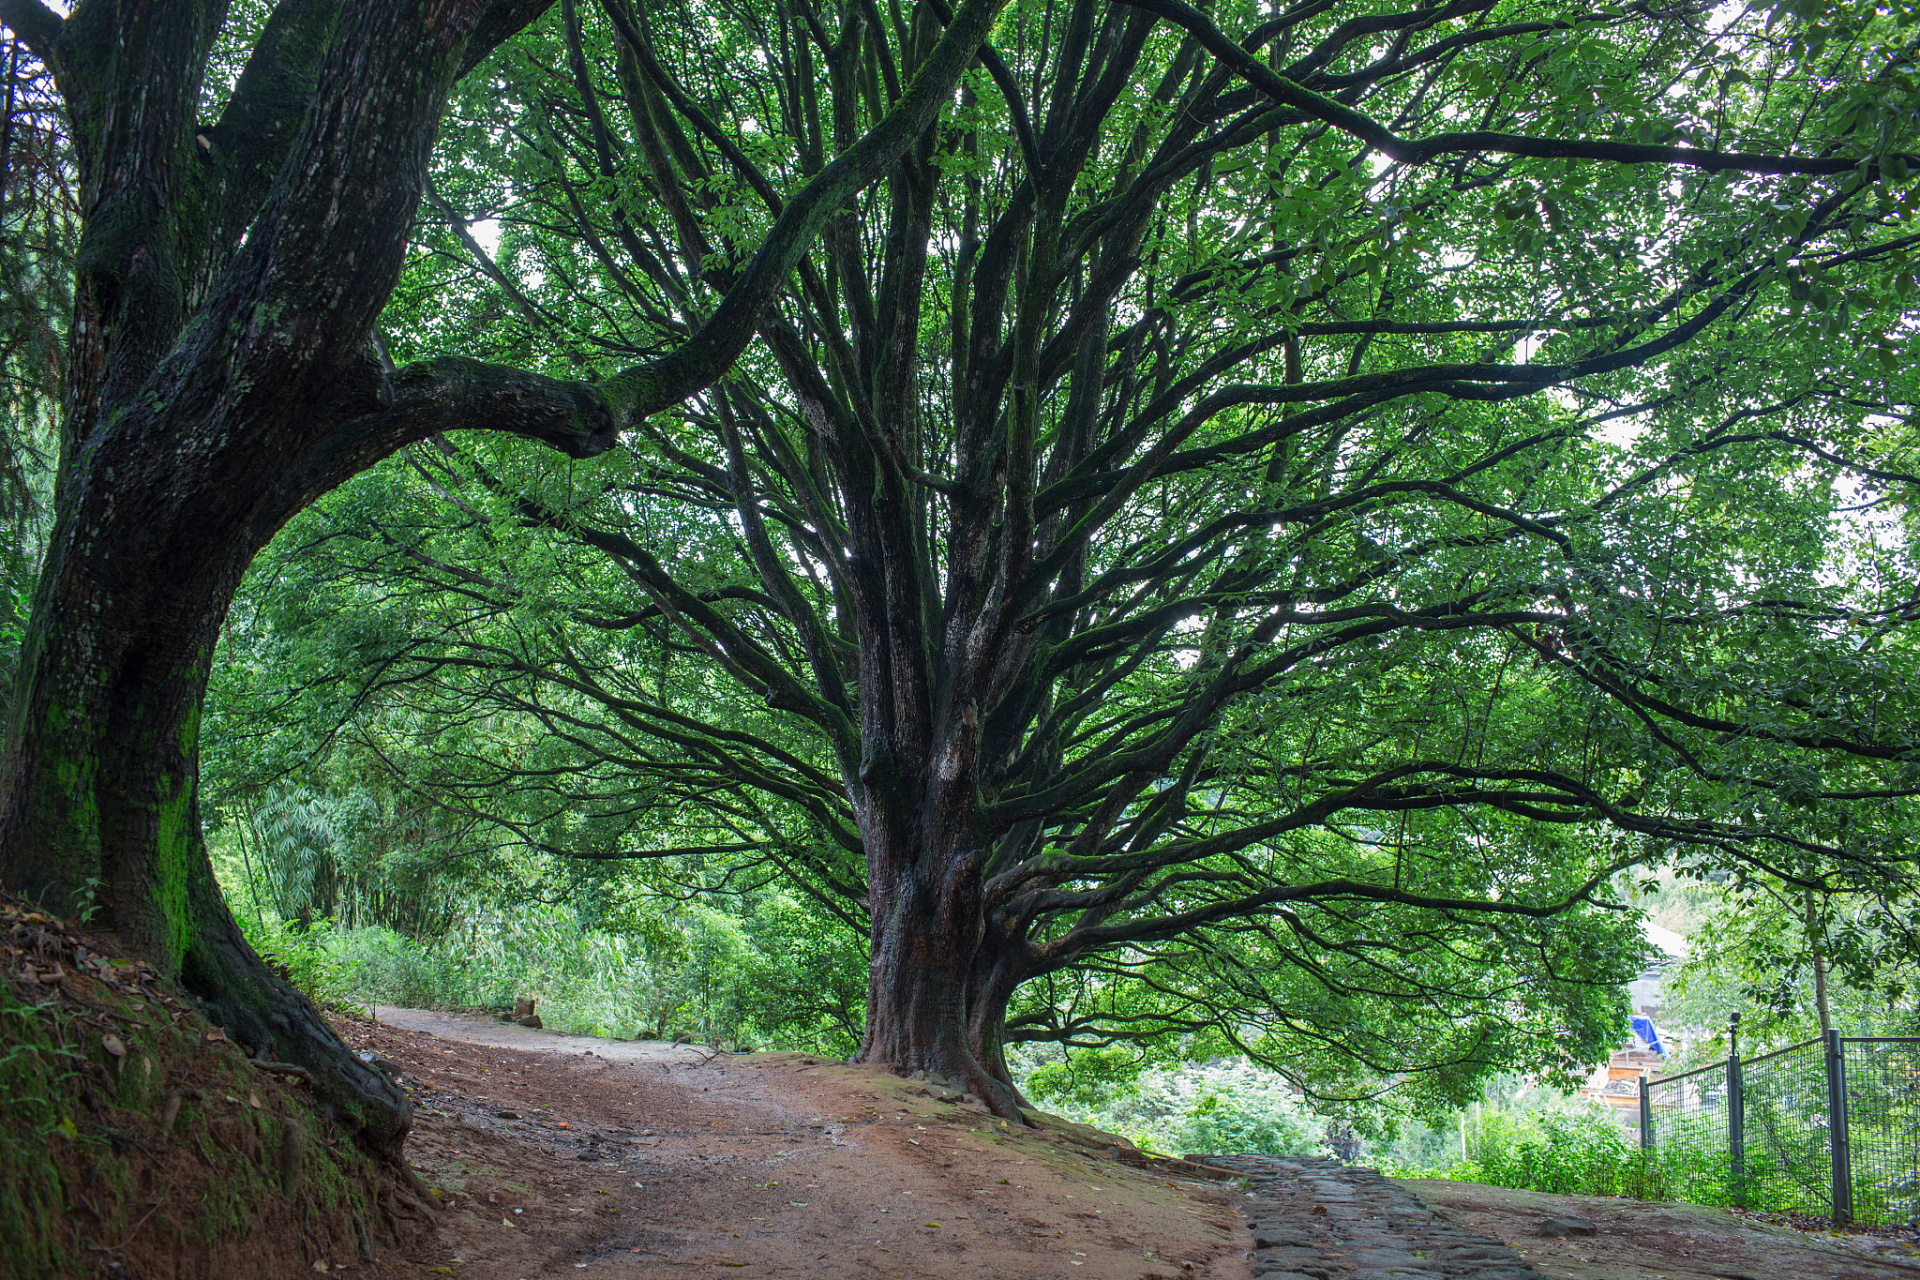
(704, 977)
(1584, 1150)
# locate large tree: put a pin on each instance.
(1319, 490)
(1039, 458)
(238, 243)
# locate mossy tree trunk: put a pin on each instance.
(923, 999)
(218, 386)
(941, 971)
(224, 373)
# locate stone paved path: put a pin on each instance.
(1321, 1220)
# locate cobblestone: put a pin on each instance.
(1321, 1220)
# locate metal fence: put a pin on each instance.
(1882, 1100)
(1828, 1126)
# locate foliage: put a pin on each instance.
(1514, 614)
(361, 855)
(378, 966)
(1584, 1150)
(1554, 1144)
(771, 978)
(39, 225)
(304, 953)
(1220, 1106)
(1232, 539)
(1755, 955)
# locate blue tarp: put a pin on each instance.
(1644, 1028)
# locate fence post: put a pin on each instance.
(1646, 1114)
(1736, 1114)
(1837, 1130)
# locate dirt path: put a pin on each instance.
(1643, 1240)
(493, 1034)
(569, 1155)
(566, 1155)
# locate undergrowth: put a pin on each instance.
(775, 981)
(1586, 1151)
(36, 1076)
(1220, 1106)
(135, 1138)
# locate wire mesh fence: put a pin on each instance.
(1829, 1126)
(1689, 1114)
(1883, 1127)
(1787, 1146)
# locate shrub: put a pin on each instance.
(1227, 1105)
(309, 958)
(383, 967)
(1584, 1150)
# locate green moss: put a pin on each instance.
(76, 775)
(178, 855)
(80, 1127)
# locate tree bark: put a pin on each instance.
(939, 976)
(216, 387)
(99, 781)
(1000, 966)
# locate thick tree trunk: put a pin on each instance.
(99, 780)
(216, 387)
(99, 777)
(938, 980)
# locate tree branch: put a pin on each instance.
(37, 26)
(454, 393)
(1382, 139)
(659, 384)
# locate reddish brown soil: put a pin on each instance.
(771, 1165)
(149, 1145)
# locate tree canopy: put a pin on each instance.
(1248, 523)
(1253, 528)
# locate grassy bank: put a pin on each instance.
(138, 1140)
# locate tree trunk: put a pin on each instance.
(99, 802)
(998, 969)
(216, 386)
(938, 979)
(99, 779)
